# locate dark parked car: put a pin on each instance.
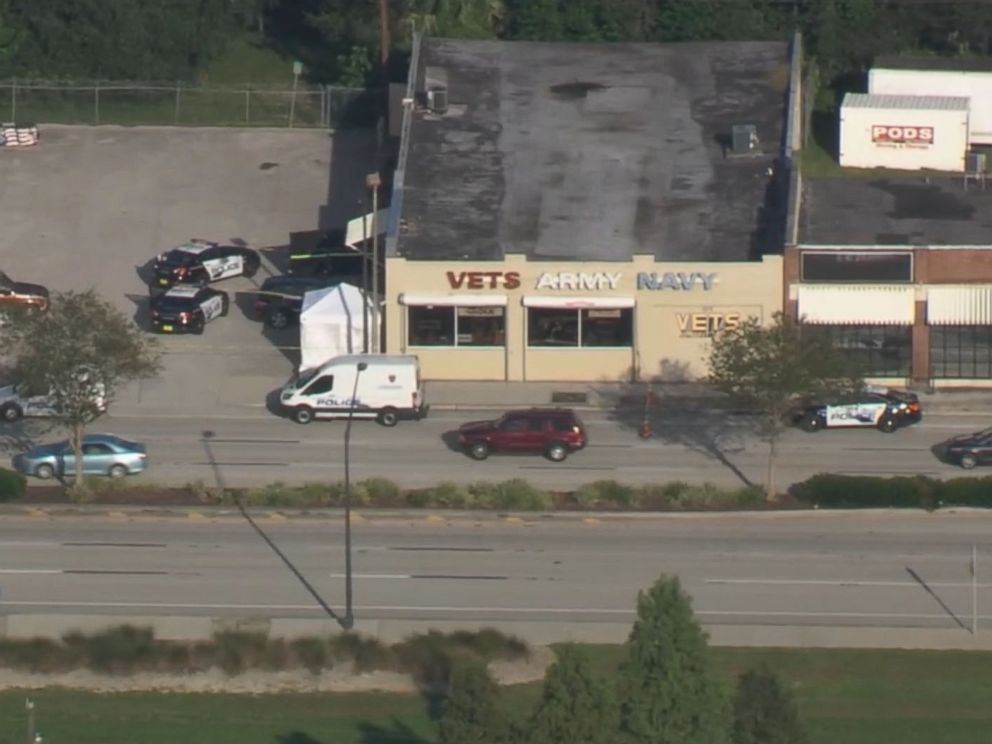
(885, 409)
(185, 309)
(552, 432)
(969, 450)
(202, 262)
(280, 298)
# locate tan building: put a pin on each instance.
(526, 321)
(569, 212)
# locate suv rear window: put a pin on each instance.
(563, 423)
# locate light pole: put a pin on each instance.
(349, 616)
(372, 182)
(29, 707)
(365, 276)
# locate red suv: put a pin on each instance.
(552, 432)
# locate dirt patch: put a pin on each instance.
(340, 679)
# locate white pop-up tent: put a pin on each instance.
(331, 324)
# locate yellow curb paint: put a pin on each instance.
(514, 520)
(196, 516)
(117, 515)
(277, 518)
(39, 513)
(434, 518)
(358, 518)
(591, 520)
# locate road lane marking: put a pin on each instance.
(111, 545)
(429, 577)
(440, 548)
(242, 464)
(219, 440)
(584, 611)
(842, 582)
(30, 570)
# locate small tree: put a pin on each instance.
(765, 712)
(82, 350)
(576, 705)
(767, 368)
(471, 714)
(669, 691)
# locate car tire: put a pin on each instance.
(197, 329)
(225, 305)
(117, 471)
(44, 471)
(278, 318)
(556, 452)
(968, 461)
(11, 412)
(478, 450)
(888, 425)
(811, 423)
(252, 263)
(303, 414)
(389, 417)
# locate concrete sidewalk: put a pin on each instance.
(613, 396)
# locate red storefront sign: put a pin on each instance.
(483, 279)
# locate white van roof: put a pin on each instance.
(377, 360)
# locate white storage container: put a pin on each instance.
(976, 86)
(903, 132)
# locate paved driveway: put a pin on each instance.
(91, 205)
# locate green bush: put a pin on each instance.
(447, 495)
(364, 653)
(311, 653)
(512, 495)
(39, 655)
(381, 491)
(605, 493)
(235, 651)
(845, 492)
(965, 492)
(12, 485)
(490, 644)
(661, 496)
(120, 650)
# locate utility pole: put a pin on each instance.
(974, 589)
(372, 181)
(384, 37)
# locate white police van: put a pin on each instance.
(368, 386)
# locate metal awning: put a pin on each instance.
(959, 305)
(844, 304)
(454, 300)
(578, 302)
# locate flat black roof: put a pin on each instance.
(595, 152)
(953, 64)
(895, 210)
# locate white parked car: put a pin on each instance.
(24, 399)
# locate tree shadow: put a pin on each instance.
(395, 732)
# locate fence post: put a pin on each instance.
(13, 101)
(178, 86)
(96, 103)
(323, 106)
(248, 105)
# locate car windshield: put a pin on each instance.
(5, 281)
(173, 304)
(304, 379)
(177, 257)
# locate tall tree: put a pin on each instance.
(669, 691)
(768, 368)
(535, 20)
(576, 705)
(764, 711)
(471, 713)
(82, 350)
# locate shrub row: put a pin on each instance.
(850, 492)
(512, 495)
(123, 650)
(12, 485)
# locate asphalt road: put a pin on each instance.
(545, 578)
(254, 447)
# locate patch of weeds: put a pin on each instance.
(605, 493)
(311, 653)
(235, 651)
(365, 654)
(121, 650)
(39, 655)
(381, 491)
(512, 495)
(491, 644)
(661, 496)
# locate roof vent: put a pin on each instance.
(437, 99)
(744, 139)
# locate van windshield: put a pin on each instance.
(304, 379)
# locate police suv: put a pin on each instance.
(882, 408)
(202, 262)
(187, 309)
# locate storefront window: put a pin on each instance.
(614, 327)
(963, 352)
(878, 351)
(431, 325)
(557, 327)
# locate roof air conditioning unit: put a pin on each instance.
(743, 139)
(437, 100)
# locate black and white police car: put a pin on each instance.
(31, 400)
(187, 309)
(202, 262)
(882, 408)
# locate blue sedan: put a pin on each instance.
(103, 454)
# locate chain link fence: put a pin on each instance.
(182, 104)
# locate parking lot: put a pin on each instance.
(91, 206)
